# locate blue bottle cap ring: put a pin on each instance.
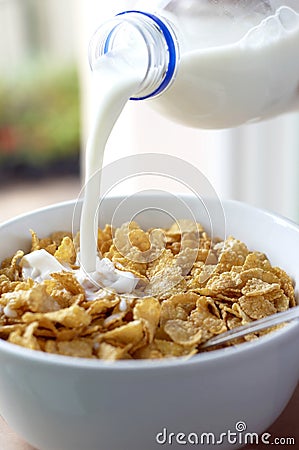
(171, 47)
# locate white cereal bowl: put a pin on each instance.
(63, 403)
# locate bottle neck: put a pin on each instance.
(144, 37)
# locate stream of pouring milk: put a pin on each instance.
(116, 81)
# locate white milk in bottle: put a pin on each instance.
(247, 71)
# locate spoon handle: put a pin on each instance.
(253, 327)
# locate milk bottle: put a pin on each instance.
(211, 63)
(203, 63)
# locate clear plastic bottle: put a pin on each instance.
(210, 63)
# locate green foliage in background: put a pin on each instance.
(39, 115)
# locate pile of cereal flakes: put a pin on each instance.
(191, 288)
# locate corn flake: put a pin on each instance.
(66, 252)
(257, 307)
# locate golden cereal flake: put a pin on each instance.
(130, 333)
(66, 252)
(25, 338)
(257, 307)
(72, 317)
(105, 239)
(80, 348)
(69, 282)
(148, 310)
(232, 253)
(286, 284)
(183, 332)
(35, 299)
(255, 286)
(109, 352)
(207, 318)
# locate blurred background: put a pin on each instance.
(39, 105)
(46, 107)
